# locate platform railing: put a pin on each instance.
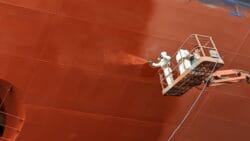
(9, 118)
(195, 41)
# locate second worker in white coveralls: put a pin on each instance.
(183, 60)
(164, 63)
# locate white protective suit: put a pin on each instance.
(181, 56)
(195, 56)
(164, 63)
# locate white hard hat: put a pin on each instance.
(163, 53)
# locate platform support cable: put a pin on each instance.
(192, 106)
(5, 96)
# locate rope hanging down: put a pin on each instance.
(192, 106)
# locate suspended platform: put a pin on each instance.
(198, 73)
(208, 62)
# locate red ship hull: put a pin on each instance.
(67, 60)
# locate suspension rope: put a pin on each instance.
(192, 106)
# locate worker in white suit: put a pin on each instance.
(164, 63)
(183, 60)
(195, 56)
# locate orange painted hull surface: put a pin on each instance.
(68, 62)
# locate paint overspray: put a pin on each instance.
(125, 59)
(132, 62)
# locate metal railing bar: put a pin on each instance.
(12, 115)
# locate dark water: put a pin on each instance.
(232, 5)
(228, 3)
